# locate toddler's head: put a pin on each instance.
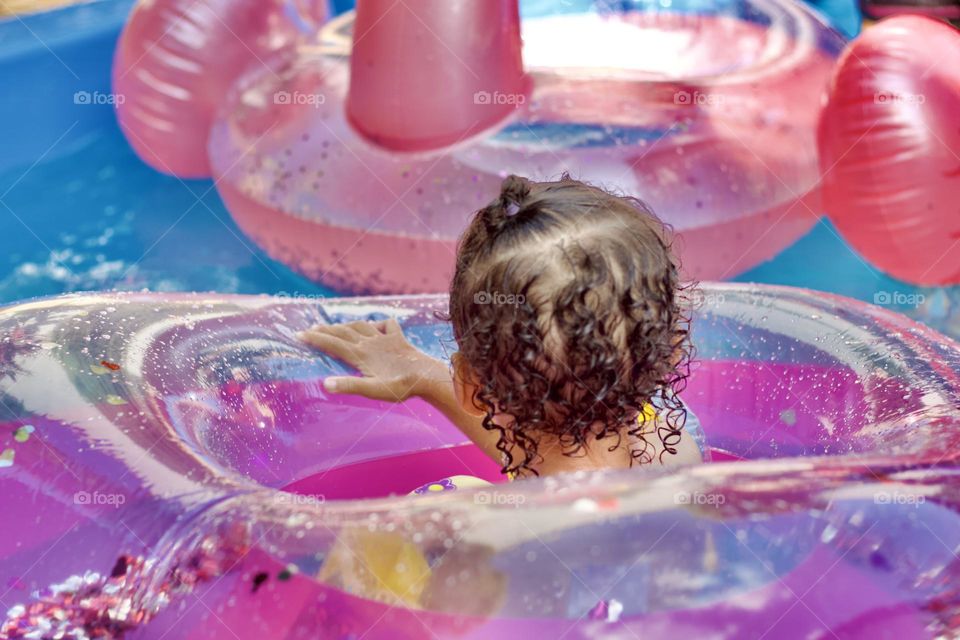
(566, 309)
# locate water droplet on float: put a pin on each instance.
(829, 533)
(586, 505)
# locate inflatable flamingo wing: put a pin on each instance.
(890, 149)
(175, 61)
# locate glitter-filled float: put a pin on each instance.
(358, 160)
(172, 467)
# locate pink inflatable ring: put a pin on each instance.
(358, 161)
(171, 467)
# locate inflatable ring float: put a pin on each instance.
(171, 467)
(358, 161)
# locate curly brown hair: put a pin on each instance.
(567, 305)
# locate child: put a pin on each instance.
(573, 346)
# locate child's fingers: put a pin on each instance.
(367, 387)
(390, 325)
(344, 332)
(353, 331)
(332, 345)
(363, 327)
(321, 328)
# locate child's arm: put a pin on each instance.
(394, 370)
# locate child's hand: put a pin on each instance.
(392, 368)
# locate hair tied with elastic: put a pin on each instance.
(513, 191)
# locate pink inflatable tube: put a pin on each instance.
(171, 467)
(358, 160)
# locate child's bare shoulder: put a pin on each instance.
(687, 452)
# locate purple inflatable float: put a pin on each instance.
(171, 467)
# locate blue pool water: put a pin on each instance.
(79, 211)
(97, 218)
